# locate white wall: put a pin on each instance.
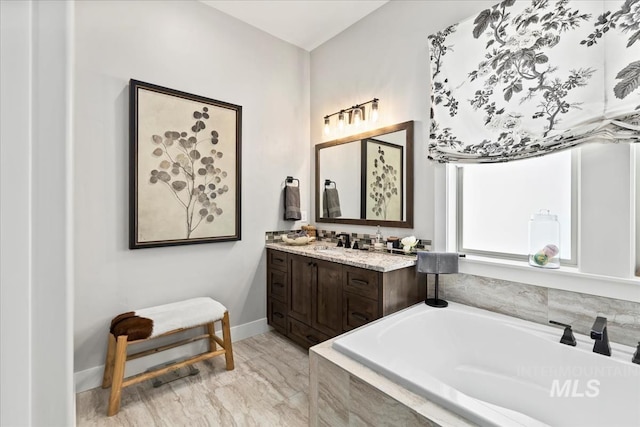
(188, 46)
(37, 284)
(385, 55)
(15, 181)
(607, 223)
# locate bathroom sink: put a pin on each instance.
(332, 250)
(328, 249)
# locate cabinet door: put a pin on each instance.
(327, 292)
(277, 284)
(303, 334)
(277, 260)
(277, 315)
(361, 282)
(301, 277)
(358, 310)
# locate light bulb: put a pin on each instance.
(374, 111)
(327, 128)
(341, 120)
(357, 117)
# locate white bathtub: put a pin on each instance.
(496, 370)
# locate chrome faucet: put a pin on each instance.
(599, 333)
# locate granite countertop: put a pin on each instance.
(378, 261)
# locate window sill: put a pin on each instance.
(564, 278)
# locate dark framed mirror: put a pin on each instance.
(367, 178)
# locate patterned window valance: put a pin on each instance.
(525, 78)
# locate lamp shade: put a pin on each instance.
(437, 262)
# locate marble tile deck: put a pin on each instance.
(268, 387)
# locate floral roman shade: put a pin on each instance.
(525, 78)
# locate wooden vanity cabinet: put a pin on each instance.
(324, 299)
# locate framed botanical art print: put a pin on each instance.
(381, 186)
(184, 172)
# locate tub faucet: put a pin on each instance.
(599, 333)
(567, 336)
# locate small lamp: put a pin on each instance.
(357, 116)
(437, 263)
(327, 128)
(374, 110)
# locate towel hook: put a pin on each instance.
(328, 182)
(290, 179)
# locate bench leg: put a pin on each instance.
(226, 337)
(108, 364)
(118, 375)
(211, 331)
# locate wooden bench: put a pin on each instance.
(143, 325)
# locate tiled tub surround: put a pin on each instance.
(342, 392)
(540, 304)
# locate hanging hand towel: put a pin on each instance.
(292, 203)
(331, 203)
(437, 262)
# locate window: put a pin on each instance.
(495, 202)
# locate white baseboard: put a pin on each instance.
(92, 377)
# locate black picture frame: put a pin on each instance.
(184, 168)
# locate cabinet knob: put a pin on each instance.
(277, 314)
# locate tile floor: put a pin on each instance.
(268, 387)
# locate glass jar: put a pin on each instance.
(544, 240)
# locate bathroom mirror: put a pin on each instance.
(367, 178)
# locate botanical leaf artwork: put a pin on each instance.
(384, 184)
(514, 82)
(184, 182)
(187, 168)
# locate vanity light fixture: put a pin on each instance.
(356, 115)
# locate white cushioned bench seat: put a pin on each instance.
(154, 321)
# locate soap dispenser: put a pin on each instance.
(379, 243)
